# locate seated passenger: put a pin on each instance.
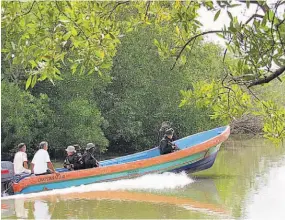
(78, 149)
(41, 161)
(166, 146)
(73, 161)
(21, 161)
(88, 158)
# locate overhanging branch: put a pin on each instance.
(193, 38)
(267, 79)
(118, 4)
(263, 5)
(254, 16)
(30, 9)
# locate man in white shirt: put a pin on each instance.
(41, 161)
(21, 161)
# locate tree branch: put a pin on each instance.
(146, 11)
(118, 4)
(193, 38)
(280, 23)
(254, 16)
(86, 37)
(26, 12)
(267, 79)
(264, 6)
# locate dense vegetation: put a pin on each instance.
(127, 108)
(112, 72)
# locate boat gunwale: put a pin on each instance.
(192, 135)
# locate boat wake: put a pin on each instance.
(149, 183)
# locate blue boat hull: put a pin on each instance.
(203, 164)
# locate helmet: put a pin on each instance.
(169, 131)
(89, 146)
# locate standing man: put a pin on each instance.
(21, 161)
(41, 161)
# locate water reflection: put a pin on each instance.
(198, 199)
(267, 200)
(41, 210)
(20, 210)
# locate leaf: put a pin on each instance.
(33, 63)
(43, 77)
(230, 15)
(56, 70)
(90, 71)
(220, 35)
(182, 103)
(183, 59)
(100, 54)
(28, 83)
(271, 15)
(156, 43)
(177, 30)
(100, 73)
(198, 22)
(34, 80)
(67, 36)
(13, 45)
(22, 22)
(76, 43)
(106, 65)
(234, 5)
(111, 35)
(73, 31)
(74, 67)
(57, 77)
(130, 29)
(82, 70)
(63, 19)
(217, 15)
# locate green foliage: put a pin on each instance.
(45, 37)
(225, 106)
(274, 120)
(231, 103)
(24, 118)
(52, 40)
(77, 118)
(144, 91)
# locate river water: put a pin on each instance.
(247, 181)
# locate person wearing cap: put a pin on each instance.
(21, 161)
(73, 160)
(165, 126)
(166, 146)
(88, 157)
(41, 163)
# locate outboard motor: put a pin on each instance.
(7, 177)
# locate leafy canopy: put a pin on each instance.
(41, 39)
